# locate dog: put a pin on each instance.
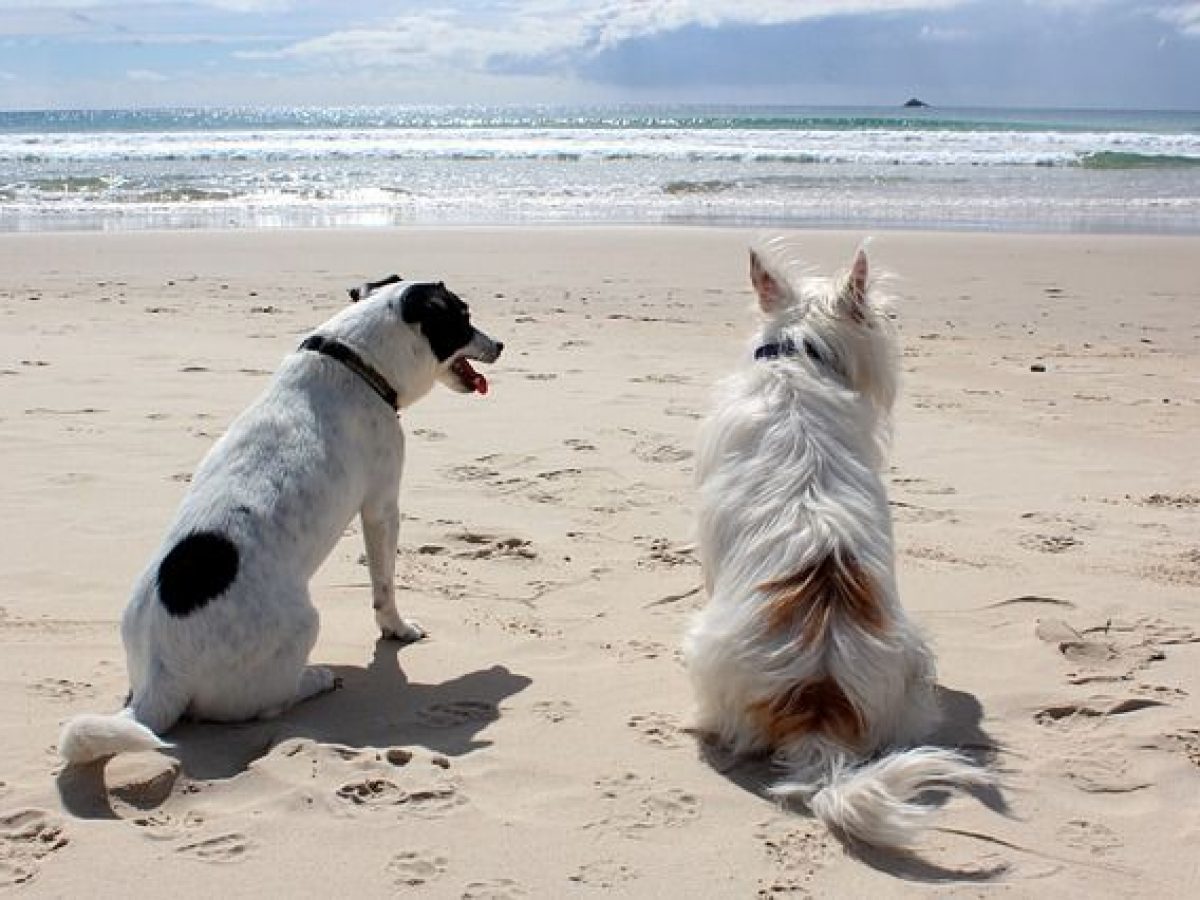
(220, 624)
(803, 650)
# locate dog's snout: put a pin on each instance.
(499, 348)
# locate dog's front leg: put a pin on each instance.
(381, 533)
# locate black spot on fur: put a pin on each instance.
(199, 568)
(444, 318)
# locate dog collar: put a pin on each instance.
(787, 347)
(356, 364)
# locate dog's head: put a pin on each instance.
(443, 322)
(837, 327)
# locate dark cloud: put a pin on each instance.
(978, 55)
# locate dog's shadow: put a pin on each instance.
(375, 706)
(961, 730)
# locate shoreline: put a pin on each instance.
(203, 224)
(1045, 527)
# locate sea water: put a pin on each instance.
(1040, 170)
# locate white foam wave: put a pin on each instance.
(873, 147)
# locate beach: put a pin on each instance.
(1046, 504)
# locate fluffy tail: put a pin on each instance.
(875, 803)
(89, 737)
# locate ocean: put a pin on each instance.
(973, 169)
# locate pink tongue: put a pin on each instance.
(467, 373)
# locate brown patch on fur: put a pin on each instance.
(815, 593)
(818, 707)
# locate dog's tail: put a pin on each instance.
(89, 737)
(876, 803)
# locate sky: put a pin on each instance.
(1116, 54)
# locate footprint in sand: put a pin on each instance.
(921, 515)
(1172, 501)
(668, 378)
(657, 729)
(940, 556)
(371, 779)
(604, 874)
(432, 801)
(656, 452)
(1184, 741)
(161, 826)
(636, 805)
(372, 792)
(429, 434)
(796, 852)
(916, 485)
(1063, 533)
(1112, 652)
(494, 889)
(486, 546)
(413, 868)
(1181, 568)
(456, 713)
(1049, 543)
(555, 711)
(231, 847)
(637, 649)
(62, 689)
(472, 473)
(661, 551)
(1074, 714)
(1104, 768)
(683, 412)
(27, 837)
(1091, 837)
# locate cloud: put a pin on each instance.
(242, 6)
(1184, 16)
(146, 75)
(941, 35)
(556, 30)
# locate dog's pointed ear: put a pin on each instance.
(772, 295)
(854, 291)
(362, 291)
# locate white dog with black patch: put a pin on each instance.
(803, 650)
(220, 624)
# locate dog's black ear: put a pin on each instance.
(363, 291)
(419, 301)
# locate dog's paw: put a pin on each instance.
(315, 680)
(402, 630)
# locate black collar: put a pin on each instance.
(356, 364)
(787, 347)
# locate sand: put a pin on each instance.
(534, 746)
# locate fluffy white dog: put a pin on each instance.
(804, 650)
(220, 624)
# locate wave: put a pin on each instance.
(711, 186)
(778, 148)
(1112, 159)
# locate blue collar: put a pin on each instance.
(787, 347)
